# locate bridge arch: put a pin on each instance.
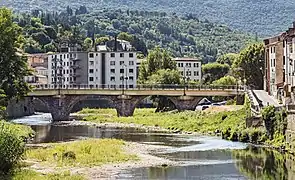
(60, 107)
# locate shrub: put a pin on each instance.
(12, 145)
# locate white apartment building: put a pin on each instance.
(97, 68)
(191, 68)
(112, 69)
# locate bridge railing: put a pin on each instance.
(139, 87)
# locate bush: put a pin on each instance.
(12, 145)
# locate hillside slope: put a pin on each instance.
(180, 35)
(265, 17)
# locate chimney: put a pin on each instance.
(116, 47)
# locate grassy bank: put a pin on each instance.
(92, 152)
(203, 122)
(231, 124)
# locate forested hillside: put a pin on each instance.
(266, 17)
(180, 35)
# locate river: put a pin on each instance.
(202, 157)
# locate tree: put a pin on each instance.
(13, 65)
(249, 65)
(225, 81)
(227, 58)
(214, 71)
(156, 60)
(125, 36)
(159, 68)
(164, 76)
(87, 44)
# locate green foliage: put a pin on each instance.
(198, 121)
(214, 71)
(242, 15)
(13, 65)
(125, 36)
(225, 81)
(158, 59)
(250, 65)
(12, 145)
(164, 76)
(227, 58)
(275, 122)
(263, 163)
(92, 152)
(181, 35)
(88, 44)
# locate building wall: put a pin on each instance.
(193, 69)
(94, 68)
(118, 65)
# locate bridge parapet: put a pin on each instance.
(140, 87)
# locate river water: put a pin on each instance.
(202, 157)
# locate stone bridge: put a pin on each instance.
(61, 99)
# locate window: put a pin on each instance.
(121, 63)
(188, 65)
(131, 86)
(67, 71)
(67, 55)
(91, 55)
(131, 78)
(195, 73)
(131, 55)
(196, 65)
(121, 55)
(113, 71)
(130, 70)
(274, 62)
(178, 64)
(90, 78)
(91, 70)
(181, 64)
(291, 48)
(274, 49)
(112, 55)
(188, 73)
(68, 64)
(181, 73)
(121, 71)
(91, 63)
(64, 56)
(112, 63)
(113, 79)
(284, 60)
(67, 78)
(131, 63)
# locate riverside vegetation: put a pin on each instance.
(230, 124)
(86, 153)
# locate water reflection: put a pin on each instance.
(260, 163)
(51, 133)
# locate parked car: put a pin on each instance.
(204, 107)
